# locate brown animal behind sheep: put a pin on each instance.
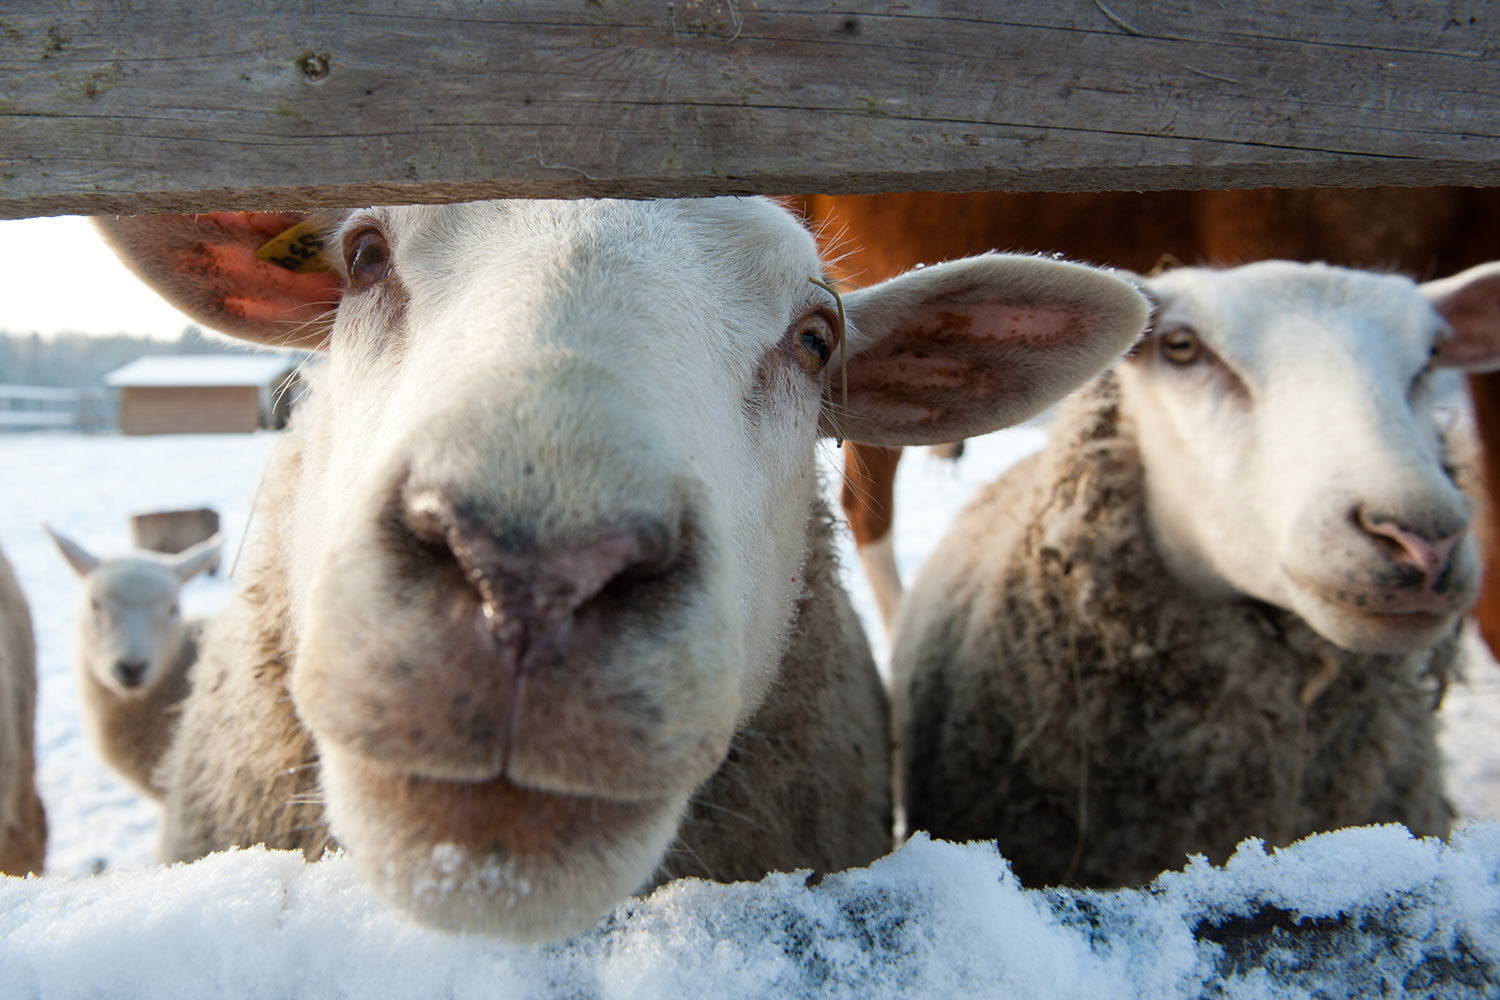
(23, 821)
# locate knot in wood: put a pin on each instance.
(314, 66)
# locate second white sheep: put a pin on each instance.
(134, 650)
(1223, 602)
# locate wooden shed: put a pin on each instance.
(204, 393)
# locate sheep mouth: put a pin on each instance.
(496, 813)
(495, 856)
(1410, 619)
(1400, 605)
(1416, 610)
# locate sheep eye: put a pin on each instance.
(813, 342)
(173, 611)
(1181, 347)
(368, 257)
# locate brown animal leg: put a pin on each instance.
(1485, 390)
(869, 503)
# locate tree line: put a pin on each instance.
(76, 360)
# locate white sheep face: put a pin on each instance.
(130, 628)
(1285, 419)
(556, 477)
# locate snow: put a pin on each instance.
(202, 370)
(1382, 911)
(931, 920)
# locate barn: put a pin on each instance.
(205, 393)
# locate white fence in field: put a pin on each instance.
(44, 408)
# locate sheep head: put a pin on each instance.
(1291, 422)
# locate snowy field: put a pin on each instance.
(73, 936)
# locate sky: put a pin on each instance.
(56, 274)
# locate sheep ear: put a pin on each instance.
(206, 265)
(82, 561)
(196, 558)
(1470, 302)
(973, 345)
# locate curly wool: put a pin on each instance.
(1102, 721)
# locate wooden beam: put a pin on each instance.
(157, 106)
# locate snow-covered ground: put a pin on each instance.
(1360, 913)
(87, 487)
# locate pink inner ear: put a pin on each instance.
(1475, 318)
(948, 356)
(238, 286)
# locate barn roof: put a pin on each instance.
(203, 370)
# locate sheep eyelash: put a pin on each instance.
(838, 300)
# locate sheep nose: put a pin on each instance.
(130, 672)
(1411, 549)
(531, 597)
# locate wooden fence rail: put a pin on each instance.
(136, 106)
(33, 408)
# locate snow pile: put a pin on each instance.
(1360, 912)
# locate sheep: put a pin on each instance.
(134, 650)
(1432, 231)
(543, 610)
(23, 820)
(1223, 602)
(173, 531)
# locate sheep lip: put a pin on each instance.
(480, 814)
(1416, 608)
(1393, 605)
(1415, 618)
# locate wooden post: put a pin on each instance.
(136, 106)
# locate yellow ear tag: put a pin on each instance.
(299, 248)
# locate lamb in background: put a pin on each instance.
(544, 610)
(1223, 602)
(134, 651)
(173, 531)
(23, 821)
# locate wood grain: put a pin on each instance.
(135, 106)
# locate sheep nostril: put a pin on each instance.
(130, 672)
(426, 514)
(1411, 549)
(535, 588)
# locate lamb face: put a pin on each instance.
(556, 477)
(130, 629)
(1285, 419)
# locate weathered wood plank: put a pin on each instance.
(179, 106)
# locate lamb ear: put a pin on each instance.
(1470, 302)
(196, 558)
(81, 559)
(974, 345)
(206, 266)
